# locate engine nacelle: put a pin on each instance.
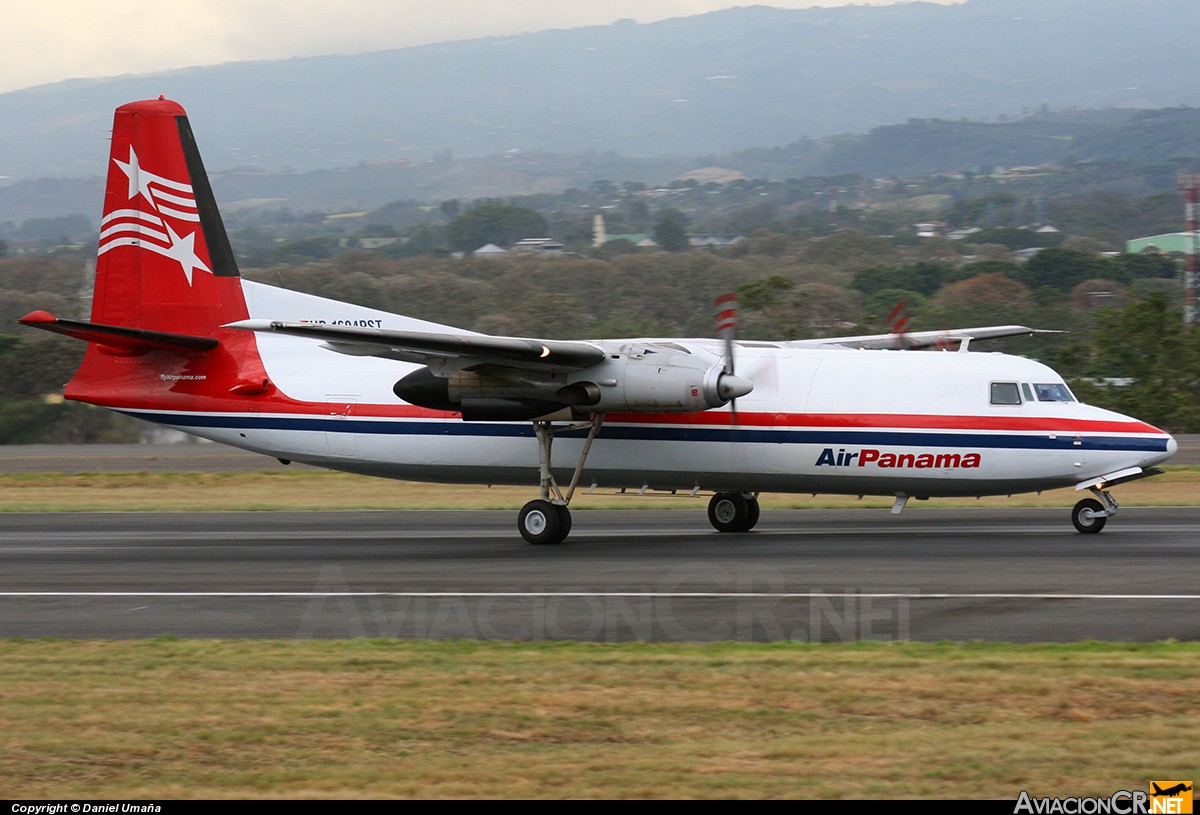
(478, 398)
(641, 379)
(657, 380)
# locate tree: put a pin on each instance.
(1064, 269)
(669, 232)
(986, 299)
(253, 246)
(638, 213)
(501, 224)
(925, 277)
(772, 308)
(1147, 265)
(1146, 344)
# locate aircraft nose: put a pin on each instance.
(1170, 449)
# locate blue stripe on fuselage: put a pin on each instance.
(746, 435)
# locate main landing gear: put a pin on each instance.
(547, 520)
(733, 511)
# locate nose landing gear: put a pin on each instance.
(1089, 515)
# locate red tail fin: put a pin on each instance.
(163, 249)
(166, 278)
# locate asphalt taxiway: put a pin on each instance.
(1020, 575)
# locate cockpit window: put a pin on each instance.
(1028, 391)
(1005, 393)
(1053, 393)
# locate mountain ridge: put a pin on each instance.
(712, 83)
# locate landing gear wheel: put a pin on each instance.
(564, 518)
(752, 516)
(543, 522)
(732, 512)
(1085, 516)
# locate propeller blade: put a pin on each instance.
(897, 322)
(731, 386)
(727, 325)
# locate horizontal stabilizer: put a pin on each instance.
(419, 346)
(121, 338)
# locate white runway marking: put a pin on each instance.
(696, 595)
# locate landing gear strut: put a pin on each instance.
(547, 520)
(733, 511)
(1090, 515)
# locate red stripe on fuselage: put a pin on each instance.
(903, 421)
(278, 403)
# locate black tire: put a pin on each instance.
(1084, 517)
(541, 522)
(752, 514)
(564, 518)
(729, 512)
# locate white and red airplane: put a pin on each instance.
(178, 338)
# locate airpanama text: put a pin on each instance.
(923, 461)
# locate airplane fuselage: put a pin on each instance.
(819, 420)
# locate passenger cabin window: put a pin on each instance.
(1050, 392)
(1005, 393)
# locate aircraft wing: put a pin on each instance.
(922, 339)
(459, 350)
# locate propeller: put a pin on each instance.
(730, 386)
(897, 323)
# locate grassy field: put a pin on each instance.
(371, 718)
(324, 490)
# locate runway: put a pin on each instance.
(1019, 575)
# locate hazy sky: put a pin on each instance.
(54, 40)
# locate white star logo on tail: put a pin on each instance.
(134, 226)
(183, 249)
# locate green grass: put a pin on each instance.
(173, 718)
(325, 490)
